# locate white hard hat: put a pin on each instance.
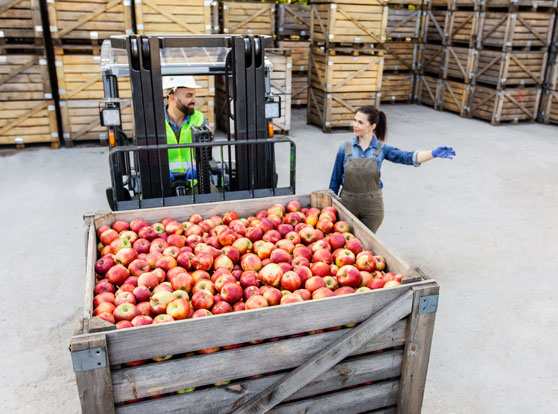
(173, 82)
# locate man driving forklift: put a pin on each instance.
(180, 115)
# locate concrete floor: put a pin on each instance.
(483, 225)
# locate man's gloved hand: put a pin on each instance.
(189, 173)
(443, 152)
(171, 175)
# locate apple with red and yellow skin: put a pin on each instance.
(141, 246)
(229, 216)
(223, 280)
(125, 287)
(363, 289)
(376, 283)
(349, 276)
(206, 285)
(239, 306)
(125, 256)
(366, 278)
(147, 233)
(160, 300)
(223, 262)
(331, 282)
(218, 273)
(166, 221)
(160, 273)
(119, 244)
(138, 267)
(365, 261)
(202, 300)
(336, 240)
(103, 265)
(320, 269)
(195, 218)
(162, 318)
(304, 273)
(152, 258)
(280, 256)
(293, 237)
(354, 245)
(255, 302)
(159, 228)
(193, 240)
(178, 309)
(302, 251)
(180, 294)
(325, 225)
(195, 230)
(249, 278)
(106, 316)
(125, 312)
(171, 251)
(311, 220)
(291, 298)
(104, 286)
(271, 274)
(174, 227)
(285, 267)
(200, 313)
(142, 320)
(104, 307)
(308, 235)
(184, 260)
(227, 237)
(238, 227)
(263, 249)
(333, 269)
(293, 205)
(232, 292)
(176, 240)
(108, 236)
(392, 284)
(251, 291)
(344, 257)
(290, 281)
(142, 293)
(144, 308)
(202, 261)
(131, 280)
(341, 227)
(158, 245)
(300, 261)
(305, 294)
(148, 280)
(221, 307)
(166, 263)
(344, 290)
(273, 296)
(182, 281)
(320, 244)
(173, 272)
(128, 235)
(101, 229)
(117, 274)
(250, 262)
(165, 286)
(254, 234)
(322, 255)
(204, 226)
(105, 250)
(321, 293)
(243, 245)
(284, 229)
(314, 283)
(272, 236)
(380, 262)
(124, 297)
(124, 325)
(198, 275)
(231, 252)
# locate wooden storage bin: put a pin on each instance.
(247, 18)
(335, 110)
(509, 105)
(300, 51)
(549, 107)
(173, 16)
(518, 29)
(449, 62)
(431, 59)
(281, 83)
(404, 22)
(92, 20)
(511, 68)
(397, 87)
(453, 96)
(426, 90)
(21, 19)
(551, 80)
(514, 4)
(334, 72)
(299, 94)
(390, 347)
(364, 22)
(445, 27)
(293, 21)
(400, 56)
(27, 112)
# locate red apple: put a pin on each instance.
(144, 308)
(147, 233)
(158, 245)
(293, 237)
(291, 298)
(182, 281)
(104, 307)
(231, 292)
(320, 269)
(165, 286)
(302, 251)
(119, 244)
(108, 236)
(271, 274)
(304, 273)
(249, 278)
(106, 316)
(124, 297)
(101, 229)
(349, 276)
(198, 275)
(344, 290)
(124, 324)
(117, 274)
(392, 284)
(255, 302)
(142, 320)
(160, 300)
(174, 228)
(163, 318)
(314, 283)
(103, 297)
(251, 262)
(223, 262)
(239, 306)
(300, 261)
(221, 307)
(104, 286)
(178, 308)
(341, 227)
(202, 300)
(380, 262)
(305, 294)
(160, 273)
(142, 293)
(273, 296)
(125, 312)
(293, 205)
(322, 255)
(184, 260)
(322, 292)
(354, 245)
(290, 281)
(251, 291)
(331, 282)
(344, 257)
(148, 280)
(103, 265)
(200, 313)
(223, 280)
(138, 267)
(206, 285)
(366, 278)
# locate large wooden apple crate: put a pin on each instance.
(381, 363)
(93, 20)
(27, 111)
(247, 17)
(426, 90)
(451, 27)
(401, 56)
(173, 16)
(397, 87)
(404, 22)
(361, 21)
(20, 19)
(508, 105)
(281, 85)
(449, 62)
(293, 21)
(549, 107)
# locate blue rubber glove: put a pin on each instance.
(171, 175)
(189, 173)
(443, 152)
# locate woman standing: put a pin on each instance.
(358, 163)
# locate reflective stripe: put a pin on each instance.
(176, 166)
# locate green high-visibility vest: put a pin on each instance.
(179, 158)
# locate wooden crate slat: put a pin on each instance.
(247, 18)
(549, 107)
(294, 20)
(171, 16)
(426, 90)
(507, 105)
(403, 23)
(453, 96)
(21, 18)
(300, 51)
(400, 56)
(299, 89)
(397, 87)
(145, 380)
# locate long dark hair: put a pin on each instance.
(376, 117)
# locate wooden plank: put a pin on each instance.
(417, 353)
(90, 260)
(248, 18)
(150, 379)
(329, 356)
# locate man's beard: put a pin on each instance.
(186, 110)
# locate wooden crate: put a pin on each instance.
(426, 90)
(551, 79)
(365, 22)
(549, 107)
(453, 96)
(21, 19)
(515, 4)
(293, 21)
(27, 111)
(98, 19)
(280, 82)
(431, 59)
(512, 30)
(459, 27)
(513, 68)
(173, 16)
(299, 90)
(451, 4)
(397, 87)
(247, 18)
(334, 72)
(449, 62)
(404, 22)
(509, 105)
(401, 56)
(337, 109)
(389, 347)
(300, 51)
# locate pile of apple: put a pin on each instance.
(160, 272)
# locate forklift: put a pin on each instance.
(239, 167)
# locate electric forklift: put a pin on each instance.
(240, 166)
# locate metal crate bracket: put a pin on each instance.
(89, 359)
(428, 304)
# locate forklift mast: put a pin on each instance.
(140, 172)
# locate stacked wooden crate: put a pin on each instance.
(448, 54)
(401, 50)
(281, 86)
(247, 17)
(512, 41)
(78, 29)
(346, 60)
(548, 111)
(293, 32)
(27, 109)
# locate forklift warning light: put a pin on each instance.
(110, 117)
(272, 110)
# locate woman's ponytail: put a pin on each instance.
(376, 117)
